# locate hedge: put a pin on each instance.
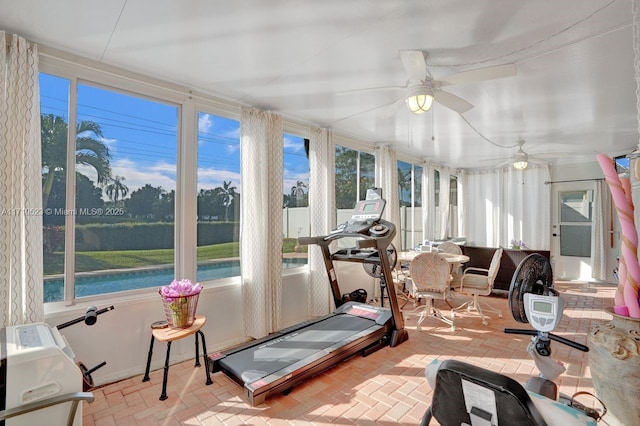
(148, 236)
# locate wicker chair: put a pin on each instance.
(430, 278)
(478, 282)
(453, 248)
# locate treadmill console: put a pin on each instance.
(368, 210)
(364, 218)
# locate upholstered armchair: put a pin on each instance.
(478, 282)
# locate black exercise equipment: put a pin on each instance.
(276, 363)
(89, 318)
(467, 394)
(513, 406)
(359, 295)
(374, 270)
(533, 300)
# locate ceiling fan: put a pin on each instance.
(421, 90)
(520, 160)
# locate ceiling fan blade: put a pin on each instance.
(480, 74)
(391, 109)
(452, 101)
(385, 111)
(495, 159)
(414, 62)
(371, 90)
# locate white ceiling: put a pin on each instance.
(574, 92)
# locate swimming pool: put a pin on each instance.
(111, 282)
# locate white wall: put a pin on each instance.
(121, 337)
(589, 170)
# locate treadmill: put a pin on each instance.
(276, 363)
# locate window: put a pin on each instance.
(575, 223)
(54, 110)
(122, 201)
(218, 197)
(410, 191)
(436, 204)
(452, 229)
(355, 173)
(622, 165)
(295, 199)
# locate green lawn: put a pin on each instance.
(99, 260)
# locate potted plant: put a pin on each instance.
(180, 300)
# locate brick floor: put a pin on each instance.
(385, 388)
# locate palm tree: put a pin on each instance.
(226, 194)
(298, 192)
(404, 183)
(90, 150)
(116, 189)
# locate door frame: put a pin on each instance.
(568, 267)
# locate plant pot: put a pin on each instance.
(614, 360)
(180, 311)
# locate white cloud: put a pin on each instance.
(205, 122)
(209, 178)
(291, 179)
(138, 175)
(292, 145)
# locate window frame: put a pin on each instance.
(187, 102)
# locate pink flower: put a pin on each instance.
(180, 288)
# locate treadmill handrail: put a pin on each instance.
(363, 240)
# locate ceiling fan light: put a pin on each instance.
(520, 164)
(521, 160)
(419, 103)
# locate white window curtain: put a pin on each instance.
(387, 179)
(444, 207)
(261, 145)
(322, 215)
(506, 204)
(462, 194)
(600, 231)
(428, 203)
(21, 294)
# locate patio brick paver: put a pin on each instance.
(387, 387)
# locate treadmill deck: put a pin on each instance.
(279, 362)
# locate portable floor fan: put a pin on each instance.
(533, 275)
(375, 270)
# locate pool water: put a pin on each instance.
(110, 282)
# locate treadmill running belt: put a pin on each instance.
(274, 355)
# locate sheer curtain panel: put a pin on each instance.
(322, 212)
(261, 145)
(501, 205)
(21, 294)
(444, 206)
(462, 195)
(387, 179)
(428, 203)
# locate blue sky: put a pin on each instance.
(141, 135)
